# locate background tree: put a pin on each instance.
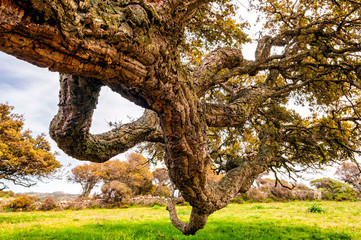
(23, 159)
(137, 174)
(162, 182)
(125, 179)
(351, 174)
(116, 192)
(276, 190)
(88, 175)
(22, 203)
(334, 190)
(121, 180)
(216, 108)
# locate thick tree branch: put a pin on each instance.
(236, 180)
(207, 73)
(68, 38)
(212, 64)
(196, 222)
(70, 127)
(249, 167)
(242, 105)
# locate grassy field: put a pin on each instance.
(341, 220)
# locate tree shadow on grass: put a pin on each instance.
(149, 230)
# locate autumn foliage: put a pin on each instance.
(87, 175)
(120, 180)
(23, 158)
(20, 203)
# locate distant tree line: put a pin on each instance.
(125, 183)
(121, 181)
(266, 189)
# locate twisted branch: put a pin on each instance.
(196, 222)
(70, 127)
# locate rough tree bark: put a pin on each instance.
(132, 47)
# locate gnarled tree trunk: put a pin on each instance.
(132, 47)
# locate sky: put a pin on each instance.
(33, 92)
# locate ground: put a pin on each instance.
(341, 220)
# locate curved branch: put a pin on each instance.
(241, 107)
(214, 62)
(70, 127)
(240, 178)
(79, 38)
(205, 76)
(196, 222)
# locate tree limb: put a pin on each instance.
(241, 178)
(196, 222)
(212, 64)
(205, 76)
(242, 105)
(70, 127)
(67, 38)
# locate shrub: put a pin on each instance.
(20, 203)
(279, 192)
(239, 199)
(276, 191)
(151, 201)
(95, 203)
(156, 207)
(255, 195)
(116, 192)
(162, 190)
(48, 204)
(344, 196)
(315, 209)
(304, 195)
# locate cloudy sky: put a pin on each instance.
(34, 91)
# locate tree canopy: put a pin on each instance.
(128, 178)
(205, 103)
(23, 159)
(87, 175)
(134, 173)
(351, 174)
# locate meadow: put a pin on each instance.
(291, 220)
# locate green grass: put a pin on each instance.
(341, 220)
